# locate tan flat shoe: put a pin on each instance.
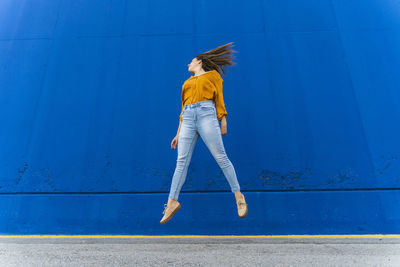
(169, 212)
(242, 207)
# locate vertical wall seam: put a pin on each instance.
(352, 85)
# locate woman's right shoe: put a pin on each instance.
(170, 211)
(242, 206)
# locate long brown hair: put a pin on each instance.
(218, 58)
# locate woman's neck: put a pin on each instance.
(200, 73)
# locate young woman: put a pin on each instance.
(202, 107)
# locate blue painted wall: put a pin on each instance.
(90, 101)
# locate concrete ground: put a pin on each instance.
(183, 251)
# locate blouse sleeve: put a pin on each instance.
(219, 100)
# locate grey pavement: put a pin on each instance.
(282, 251)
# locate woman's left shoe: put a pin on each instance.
(242, 206)
(170, 211)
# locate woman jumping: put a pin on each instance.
(202, 107)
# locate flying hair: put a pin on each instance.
(218, 58)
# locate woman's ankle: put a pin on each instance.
(238, 194)
(171, 200)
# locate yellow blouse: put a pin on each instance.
(204, 87)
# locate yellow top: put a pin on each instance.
(204, 87)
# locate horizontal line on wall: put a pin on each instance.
(202, 191)
(194, 34)
(159, 34)
(203, 236)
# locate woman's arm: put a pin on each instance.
(224, 126)
(219, 100)
(174, 142)
(179, 128)
(180, 120)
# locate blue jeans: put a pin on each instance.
(200, 119)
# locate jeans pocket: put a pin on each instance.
(184, 112)
(205, 108)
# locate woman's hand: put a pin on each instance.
(223, 126)
(174, 142)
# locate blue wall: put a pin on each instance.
(90, 101)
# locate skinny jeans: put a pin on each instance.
(200, 119)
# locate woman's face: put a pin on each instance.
(194, 65)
